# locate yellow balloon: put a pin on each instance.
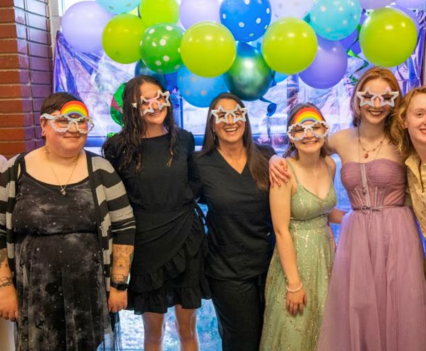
(159, 11)
(289, 45)
(208, 49)
(388, 37)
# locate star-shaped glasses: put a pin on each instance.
(386, 98)
(297, 132)
(63, 123)
(222, 116)
(162, 99)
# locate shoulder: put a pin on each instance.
(99, 163)
(267, 150)
(341, 137)
(330, 164)
(113, 144)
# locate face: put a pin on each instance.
(309, 141)
(228, 121)
(415, 120)
(153, 104)
(375, 100)
(67, 143)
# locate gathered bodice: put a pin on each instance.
(374, 185)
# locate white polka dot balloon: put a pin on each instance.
(290, 8)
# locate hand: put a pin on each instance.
(8, 301)
(117, 300)
(278, 171)
(296, 302)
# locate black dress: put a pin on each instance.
(168, 264)
(59, 274)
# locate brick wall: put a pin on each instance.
(25, 72)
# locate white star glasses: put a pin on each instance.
(63, 123)
(222, 116)
(387, 98)
(297, 132)
(162, 99)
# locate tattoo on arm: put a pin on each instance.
(122, 259)
(5, 281)
(119, 278)
(3, 258)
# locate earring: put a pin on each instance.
(292, 146)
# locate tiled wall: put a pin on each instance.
(25, 72)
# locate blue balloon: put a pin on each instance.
(335, 19)
(199, 91)
(246, 19)
(142, 69)
(280, 77)
(119, 6)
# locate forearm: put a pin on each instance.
(336, 216)
(287, 255)
(122, 256)
(5, 273)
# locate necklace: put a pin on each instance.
(366, 152)
(63, 187)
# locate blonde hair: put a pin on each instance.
(398, 130)
(376, 73)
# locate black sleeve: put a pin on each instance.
(112, 151)
(267, 150)
(194, 176)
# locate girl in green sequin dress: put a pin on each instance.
(300, 269)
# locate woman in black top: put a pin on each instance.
(151, 155)
(230, 175)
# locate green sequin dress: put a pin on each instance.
(314, 251)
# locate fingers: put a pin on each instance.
(275, 179)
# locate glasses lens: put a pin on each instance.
(297, 132)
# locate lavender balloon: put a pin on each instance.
(411, 3)
(194, 11)
(374, 4)
(329, 66)
(83, 24)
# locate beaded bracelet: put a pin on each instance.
(294, 290)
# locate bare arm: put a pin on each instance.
(278, 171)
(8, 296)
(280, 209)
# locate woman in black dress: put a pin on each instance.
(230, 175)
(151, 155)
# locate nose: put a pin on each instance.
(309, 133)
(73, 127)
(155, 105)
(377, 102)
(230, 118)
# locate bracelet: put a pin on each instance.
(294, 290)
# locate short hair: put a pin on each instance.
(56, 101)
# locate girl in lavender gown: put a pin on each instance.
(377, 294)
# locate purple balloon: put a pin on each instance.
(83, 24)
(411, 3)
(409, 13)
(329, 66)
(374, 4)
(194, 11)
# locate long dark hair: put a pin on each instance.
(388, 76)
(129, 140)
(291, 150)
(257, 162)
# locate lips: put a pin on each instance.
(375, 113)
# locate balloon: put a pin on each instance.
(160, 47)
(121, 38)
(118, 6)
(159, 11)
(410, 13)
(329, 66)
(374, 4)
(335, 19)
(249, 77)
(290, 8)
(199, 91)
(208, 49)
(388, 37)
(289, 45)
(280, 77)
(411, 3)
(351, 42)
(194, 11)
(116, 107)
(246, 19)
(82, 26)
(142, 69)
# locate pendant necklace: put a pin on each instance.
(62, 190)
(366, 152)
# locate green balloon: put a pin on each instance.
(388, 37)
(121, 38)
(289, 45)
(159, 11)
(208, 49)
(249, 77)
(116, 107)
(160, 47)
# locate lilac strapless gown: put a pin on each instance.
(377, 295)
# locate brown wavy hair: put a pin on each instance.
(257, 162)
(399, 132)
(129, 141)
(376, 73)
(291, 150)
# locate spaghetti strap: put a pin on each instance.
(294, 172)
